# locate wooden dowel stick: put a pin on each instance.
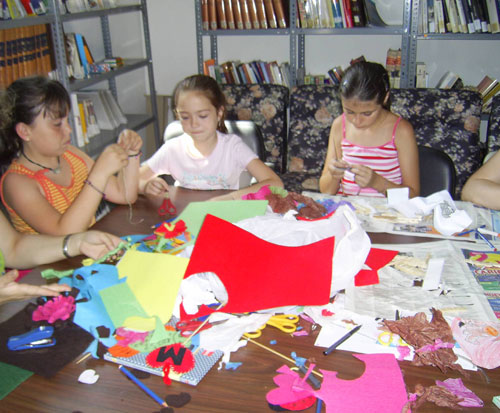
(84, 357)
(280, 355)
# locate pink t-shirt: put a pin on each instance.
(219, 170)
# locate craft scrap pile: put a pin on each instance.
(176, 301)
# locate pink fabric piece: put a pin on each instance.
(291, 387)
(129, 336)
(300, 333)
(380, 389)
(258, 274)
(480, 340)
(59, 308)
(260, 195)
(326, 313)
(403, 352)
(438, 343)
(457, 387)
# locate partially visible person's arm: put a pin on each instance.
(10, 290)
(483, 187)
(150, 183)
(333, 170)
(26, 250)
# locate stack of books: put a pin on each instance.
(450, 80)
(257, 71)
(488, 87)
(24, 51)
(393, 67)
(339, 14)
(459, 16)
(93, 111)
(244, 14)
(77, 6)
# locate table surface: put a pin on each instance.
(241, 390)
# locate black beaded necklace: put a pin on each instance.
(55, 170)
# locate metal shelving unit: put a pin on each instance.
(56, 20)
(297, 40)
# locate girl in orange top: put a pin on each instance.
(52, 187)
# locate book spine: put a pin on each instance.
(212, 15)
(493, 16)
(81, 53)
(358, 13)
(221, 14)
(439, 16)
(238, 18)
(261, 13)
(461, 16)
(245, 16)
(75, 110)
(270, 14)
(337, 14)
(301, 14)
(228, 9)
(453, 15)
(475, 15)
(468, 16)
(252, 12)
(348, 14)
(280, 13)
(204, 15)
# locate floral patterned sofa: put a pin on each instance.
(312, 111)
(447, 120)
(493, 134)
(266, 105)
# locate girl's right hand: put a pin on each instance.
(337, 168)
(156, 187)
(113, 158)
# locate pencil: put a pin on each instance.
(480, 235)
(146, 389)
(341, 340)
(488, 232)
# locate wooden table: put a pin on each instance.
(242, 390)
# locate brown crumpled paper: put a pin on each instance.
(438, 395)
(280, 205)
(418, 332)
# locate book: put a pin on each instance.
(453, 15)
(485, 84)
(77, 121)
(245, 14)
(301, 12)
(104, 120)
(431, 16)
(494, 25)
(448, 81)
(337, 14)
(489, 96)
(270, 14)
(348, 14)
(238, 18)
(252, 12)
(358, 13)
(228, 9)
(324, 13)
(421, 75)
(204, 15)
(73, 57)
(483, 14)
(83, 122)
(424, 17)
(80, 47)
(474, 12)
(212, 15)
(281, 17)
(221, 14)
(461, 15)
(439, 16)
(261, 13)
(115, 108)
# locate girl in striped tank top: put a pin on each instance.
(50, 186)
(370, 149)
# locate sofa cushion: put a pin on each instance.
(266, 105)
(493, 134)
(447, 120)
(312, 111)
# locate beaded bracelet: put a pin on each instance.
(95, 187)
(65, 246)
(135, 155)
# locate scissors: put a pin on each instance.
(167, 207)
(188, 327)
(284, 322)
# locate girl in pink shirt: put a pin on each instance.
(370, 149)
(205, 156)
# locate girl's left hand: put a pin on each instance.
(130, 140)
(363, 176)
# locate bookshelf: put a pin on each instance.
(56, 19)
(297, 40)
(414, 39)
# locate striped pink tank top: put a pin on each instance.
(382, 159)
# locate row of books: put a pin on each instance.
(93, 111)
(256, 71)
(317, 14)
(459, 16)
(16, 9)
(244, 14)
(24, 51)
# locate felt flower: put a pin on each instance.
(59, 308)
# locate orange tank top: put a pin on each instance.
(60, 197)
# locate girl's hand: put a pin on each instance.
(337, 168)
(93, 244)
(131, 141)
(364, 176)
(113, 158)
(10, 290)
(156, 187)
